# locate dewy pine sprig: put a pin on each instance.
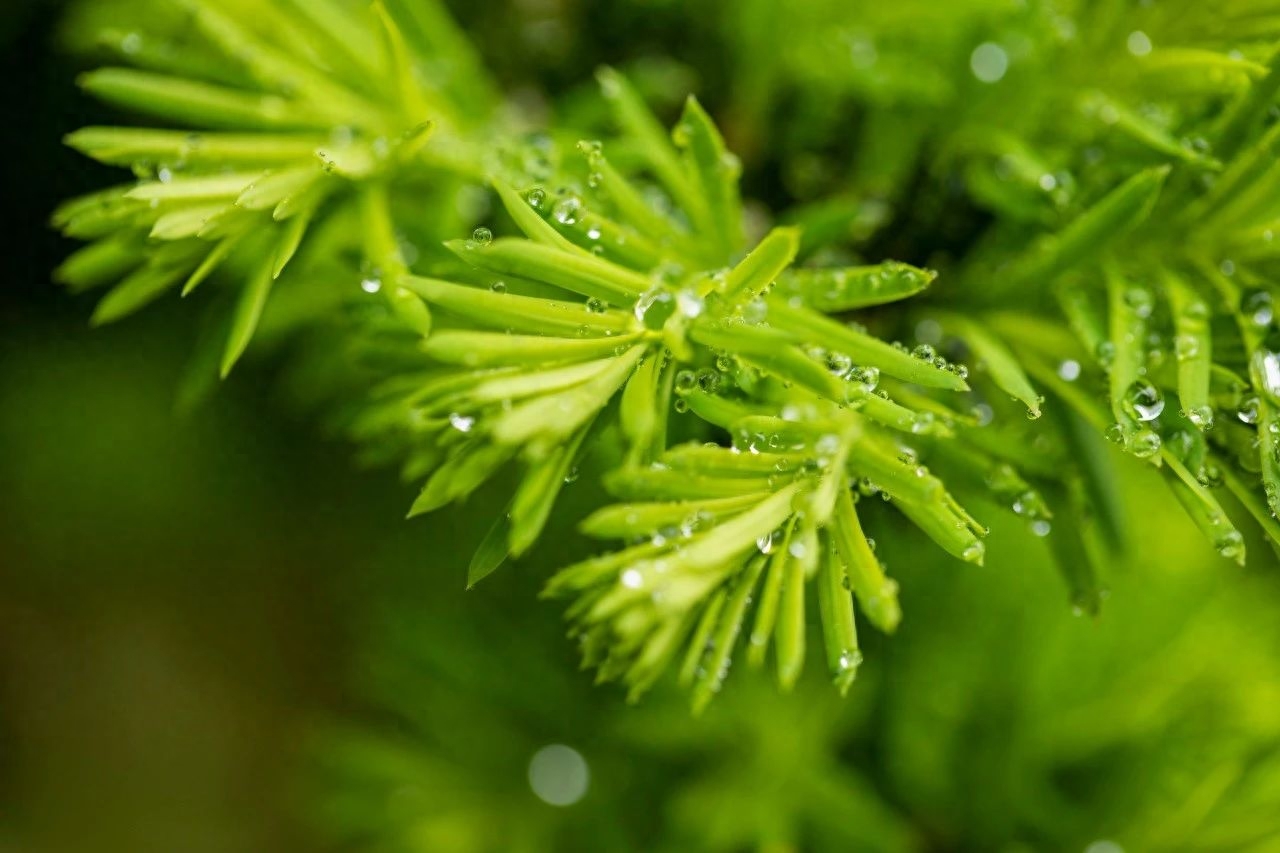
(628, 293)
(275, 138)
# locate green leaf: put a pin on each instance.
(244, 320)
(628, 521)
(637, 121)
(789, 634)
(1130, 304)
(509, 311)
(715, 665)
(577, 273)
(119, 146)
(186, 102)
(1090, 234)
(862, 348)
(529, 221)
(836, 290)
(839, 632)
(1001, 364)
(1193, 347)
(219, 253)
(491, 349)
(200, 188)
(100, 263)
(877, 594)
(762, 266)
(492, 553)
(139, 289)
(1111, 113)
(716, 172)
(553, 417)
(542, 484)
(1204, 510)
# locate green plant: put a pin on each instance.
(637, 313)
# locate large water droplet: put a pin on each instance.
(1258, 307)
(1143, 401)
(1139, 43)
(1248, 411)
(568, 210)
(558, 775)
(1266, 367)
(989, 62)
(654, 308)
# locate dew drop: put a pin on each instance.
(568, 211)
(989, 62)
(1230, 545)
(1201, 416)
(1248, 411)
(1143, 401)
(1257, 305)
(1266, 366)
(1139, 43)
(558, 775)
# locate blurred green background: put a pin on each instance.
(217, 634)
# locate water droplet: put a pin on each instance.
(568, 210)
(989, 62)
(1140, 300)
(1248, 411)
(571, 476)
(689, 303)
(1069, 370)
(482, 236)
(536, 198)
(558, 775)
(654, 308)
(681, 406)
(1139, 43)
(371, 285)
(1145, 444)
(462, 423)
(1266, 366)
(1106, 353)
(632, 579)
(1041, 528)
(1201, 416)
(596, 305)
(1230, 545)
(1186, 347)
(1257, 305)
(848, 660)
(1143, 401)
(839, 363)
